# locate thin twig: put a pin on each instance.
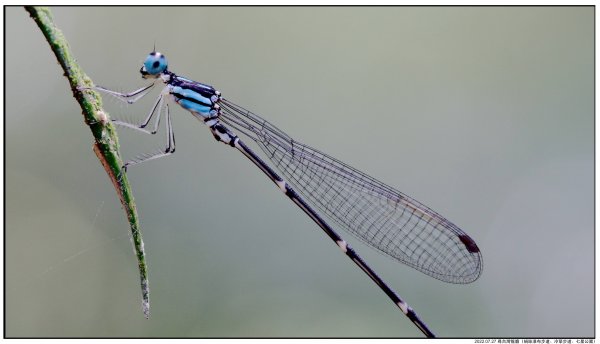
(106, 144)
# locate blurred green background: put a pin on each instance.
(484, 114)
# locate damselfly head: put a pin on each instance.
(154, 65)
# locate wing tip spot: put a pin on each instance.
(469, 243)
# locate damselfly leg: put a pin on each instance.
(128, 98)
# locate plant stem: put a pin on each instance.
(106, 144)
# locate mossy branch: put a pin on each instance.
(106, 144)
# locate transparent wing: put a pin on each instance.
(376, 213)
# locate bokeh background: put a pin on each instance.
(485, 114)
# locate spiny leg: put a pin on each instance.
(125, 97)
(170, 149)
(141, 127)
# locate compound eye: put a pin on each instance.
(155, 64)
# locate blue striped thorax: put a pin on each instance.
(198, 98)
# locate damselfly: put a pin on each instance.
(381, 216)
